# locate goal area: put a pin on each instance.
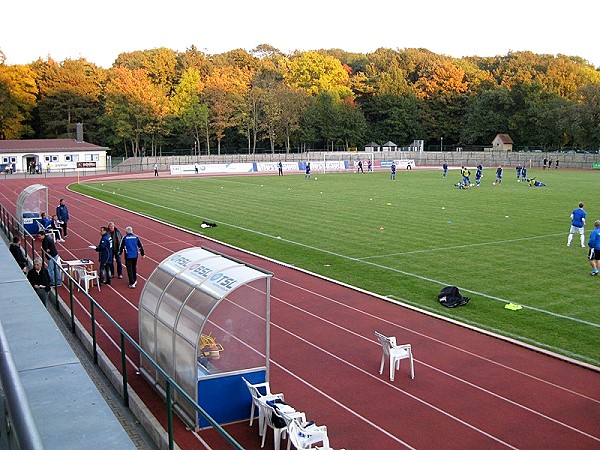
(335, 162)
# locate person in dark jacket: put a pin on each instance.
(116, 236)
(49, 250)
(62, 212)
(17, 251)
(105, 251)
(132, 246)
(39, 278)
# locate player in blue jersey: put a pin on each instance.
(578, 217)
(499, 175)
(478, 175)
(307, 172)
(445, 169)
(393, 171)
(594, 244)
(523, 174)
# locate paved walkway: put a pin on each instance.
(129, 422)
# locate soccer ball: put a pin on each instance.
(494, 183)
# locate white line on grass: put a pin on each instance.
(359, 260)
(461, 246)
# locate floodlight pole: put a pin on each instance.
(442, 144)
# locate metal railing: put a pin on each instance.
(21, 418)
(11, 226)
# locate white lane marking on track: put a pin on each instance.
(361, 312)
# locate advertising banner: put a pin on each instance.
(190, 169)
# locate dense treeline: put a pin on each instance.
(161, 100)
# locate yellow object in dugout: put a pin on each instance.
(209, 347)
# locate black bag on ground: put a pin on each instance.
(451, 297)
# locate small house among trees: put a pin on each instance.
(502, 142)
(389, 146)
(372, 147)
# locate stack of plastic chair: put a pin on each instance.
(278, 416)
(257, 392)
(306, 435)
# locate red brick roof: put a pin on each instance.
(44, 145)
(505, 138)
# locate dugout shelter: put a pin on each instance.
(204, 318)
(31, 203)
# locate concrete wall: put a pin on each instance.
(431, 159)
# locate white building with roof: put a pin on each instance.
(51, 155)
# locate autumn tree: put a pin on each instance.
(224, 92)
(316, 73)
(159, 64)
(488, 113)
(188, 109)
(135, 108)
(586, 117)
(69, 93)
(18, 91)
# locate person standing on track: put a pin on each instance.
(104, 248)
(116, 237)
(132, 246)
(280, 169)
(62, 212)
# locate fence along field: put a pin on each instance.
(408, 238)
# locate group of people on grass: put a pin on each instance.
(578, 216)
(466, 176)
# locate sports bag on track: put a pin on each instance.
(451, 297)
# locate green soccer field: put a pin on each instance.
(408, 238)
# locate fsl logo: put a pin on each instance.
(223, 281)
(199, 270)
(180, 260)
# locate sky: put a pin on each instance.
(100, 31)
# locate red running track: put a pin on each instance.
(471, 390)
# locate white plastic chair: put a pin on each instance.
(256, 392)
(395, 353)
(284, 414)
(306, 435)
(273, 419)
(85, 276)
